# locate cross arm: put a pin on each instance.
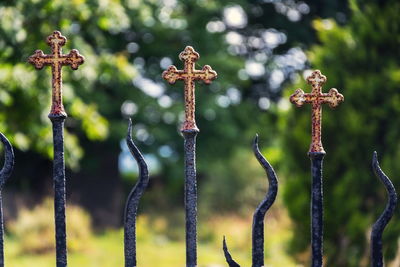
(207, 74)
(73, 58)
(299, 98)
(39, 59)
(172, 74)
(333, 98)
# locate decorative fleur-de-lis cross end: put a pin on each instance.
(189, 75)
(333, 98)
(56, 60)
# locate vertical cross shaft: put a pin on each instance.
(316, 154)
(57, 116)
(189, 130)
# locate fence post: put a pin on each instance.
(316, 153)
(189, 130)
(57, 116)
(5, 173)
(132, 202)
(386, 216)
(259, 214)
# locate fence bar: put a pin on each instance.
(263, 207)
(190, 196)
(316, 153)
(189, 131)
(386, 216)
(59, 189)
(57, 116)
(259, 214)
(133, 202)
(316, 207)
(5, 173)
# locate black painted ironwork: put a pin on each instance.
(190, 196)
(57, 116)
(316, 208)
(259, 214)
(5, 173)
(189, 131)
(132, 202)
(59, 188)
(386, 216)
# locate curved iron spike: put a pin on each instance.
(133, 202)
(380, 224)
(5, 173)
(228, 256)
(263, 207)
(259, 214)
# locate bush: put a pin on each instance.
(34, 229)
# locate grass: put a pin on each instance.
(158, 244)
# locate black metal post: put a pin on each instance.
(316, 208)
(259, 214)
(59, 188)
(386, 216)
(133, 202)
(5, 173)
(190, 196)
(263, 207)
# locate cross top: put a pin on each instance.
(189, 54)
(56, 60)
(316, 79)
(333, 98)
(189, 74)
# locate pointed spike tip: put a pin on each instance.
(255, 143)
(375, 161)
(375, 155)
(129, 135)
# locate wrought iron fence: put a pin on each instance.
(189, 75)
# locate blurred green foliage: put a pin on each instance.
(34, 229)
(157, 244)
(127, 45)
(362, 60)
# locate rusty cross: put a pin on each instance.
(189, 75)
(56, 60)
(333, 98)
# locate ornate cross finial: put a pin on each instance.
(56, 60)
(189, 74)
(316, 98)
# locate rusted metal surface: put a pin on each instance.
(132, 202)
(189, 75)
(386, 216)
(56, 60)
(259, 214)
(316, 98)
(57, 116)
(5, 173)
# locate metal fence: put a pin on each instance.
(189, 75)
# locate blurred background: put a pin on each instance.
(262, 50)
